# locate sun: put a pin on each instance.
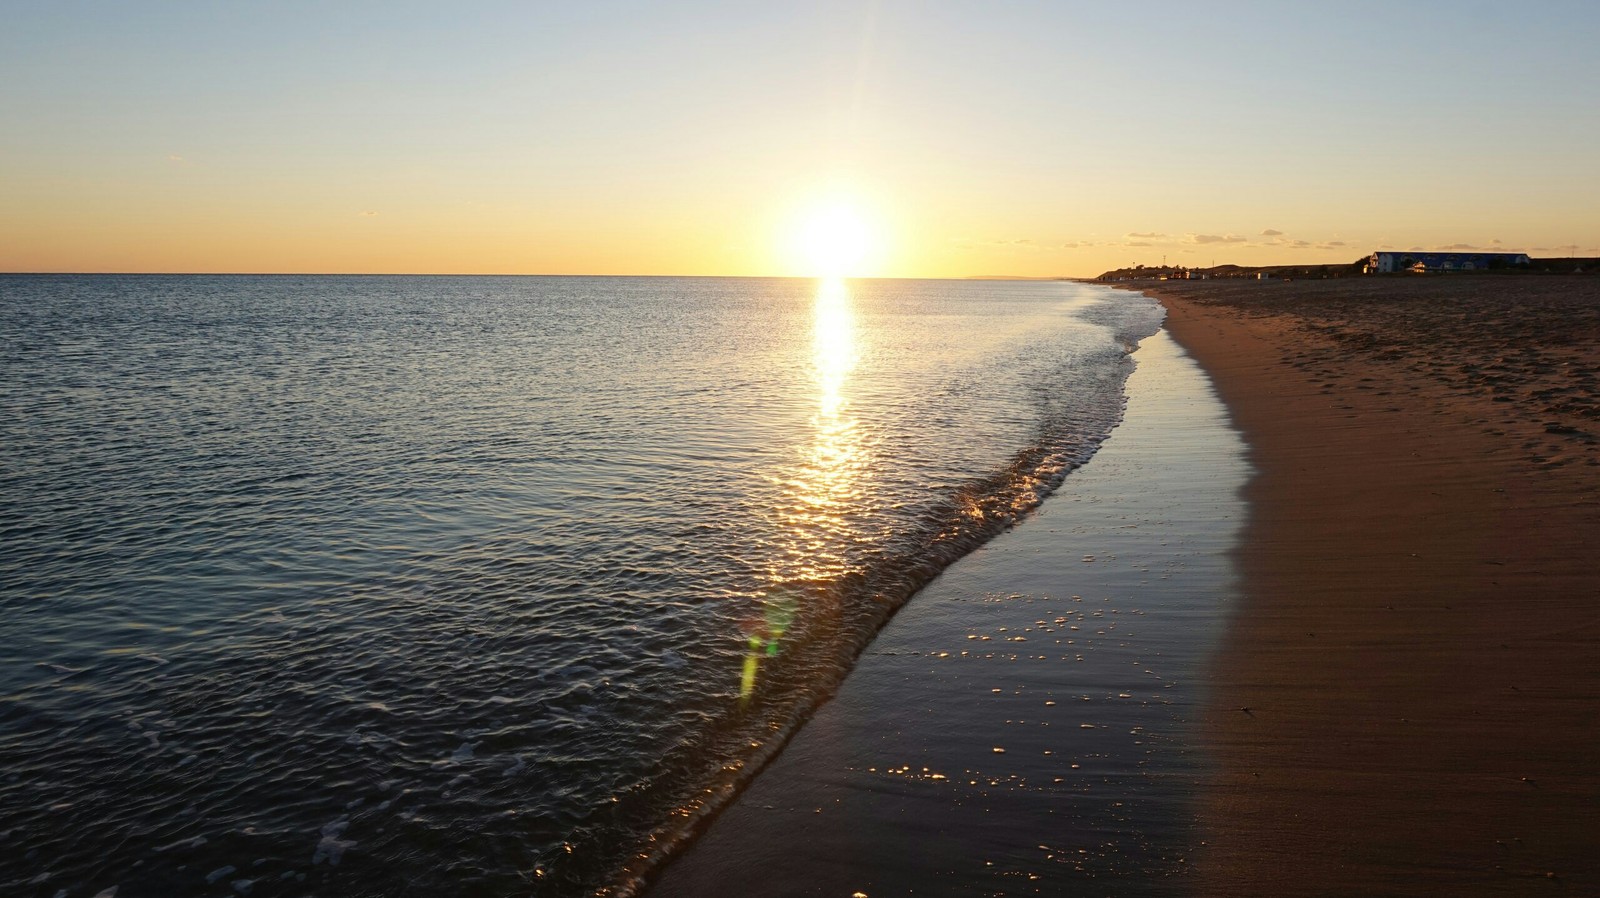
(833, 239)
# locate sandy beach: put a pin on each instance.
(1405, 703)
(1398, 695)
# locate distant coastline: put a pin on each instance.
(1358, 268)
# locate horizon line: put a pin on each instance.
(797, 277)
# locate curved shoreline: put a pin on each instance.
(1027, 717)
(980, 511)
(1402, 701)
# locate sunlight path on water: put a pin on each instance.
(1024, 725)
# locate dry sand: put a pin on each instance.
(1407, 700)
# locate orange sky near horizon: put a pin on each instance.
(970, 141)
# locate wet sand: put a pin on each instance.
(1407, 700)
(1400, 694)
(1025, 725)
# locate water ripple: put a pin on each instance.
(476, 585)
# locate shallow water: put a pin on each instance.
(1029, 723)
(477, 585)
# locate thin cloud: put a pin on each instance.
(174, 157)
(1024, 243)
(1135, 235)
(368, 212)
(1204, 239)
(1457, 247)
(1269, 232)
(1136, 243)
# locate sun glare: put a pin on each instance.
(835, 240)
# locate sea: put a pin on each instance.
(395, 585)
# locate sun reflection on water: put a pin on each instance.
(814, 522)
(834, 459)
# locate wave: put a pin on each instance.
(506, 584)
(689, 787)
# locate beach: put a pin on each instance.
(1405, 701)
(819, 449)
(1027, 723)
(1307, 607)
(1398, 660)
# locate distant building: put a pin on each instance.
(1386, 262)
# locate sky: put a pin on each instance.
(703, 138)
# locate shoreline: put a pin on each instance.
(1025, 723)
(1399, 696)
(1405, 702)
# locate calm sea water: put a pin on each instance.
(477, 586)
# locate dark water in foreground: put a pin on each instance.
(471, 586)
